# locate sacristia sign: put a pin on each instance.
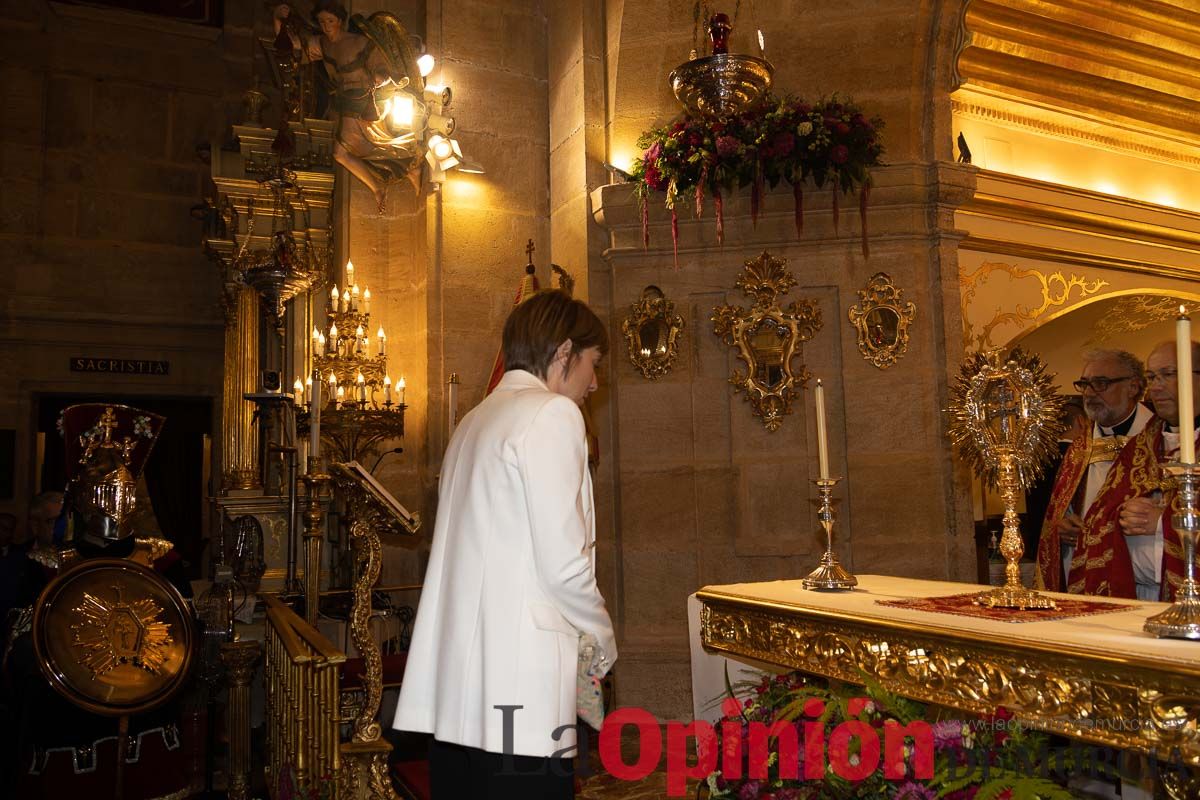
(124, 366)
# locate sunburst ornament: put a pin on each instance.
(1005, 421)
(1005, 407)
(112, 632)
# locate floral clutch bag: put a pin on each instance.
(589, 697)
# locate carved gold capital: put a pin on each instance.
(240, 658)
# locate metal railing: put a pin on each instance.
(301, 675)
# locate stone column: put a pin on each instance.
(239, 659)
(239, 453)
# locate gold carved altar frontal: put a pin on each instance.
(965, 605)
(1105, 694)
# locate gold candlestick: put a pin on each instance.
(830, 574)
(1182, 620)
(314, 533)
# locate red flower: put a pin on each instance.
(841, 128)
(783, 143)
(726, 146)
(839, 154)
(654, 178)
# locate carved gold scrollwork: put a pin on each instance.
(768, 337)
(1107, 702)
(882, 318)
(1056, 290)
(652, 333)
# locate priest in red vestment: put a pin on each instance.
(1111, 383)
(1133, 522)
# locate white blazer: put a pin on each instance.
(511, 581)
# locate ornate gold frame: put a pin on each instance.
(881, 318)
(653, 362)
(765, 279)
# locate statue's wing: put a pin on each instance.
(388, 34)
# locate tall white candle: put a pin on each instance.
(822, 437)
(382, 342)
(367, 301)
(349, 272)
(1183, 363)
(400, 389)
(387, 389)
(314, 422)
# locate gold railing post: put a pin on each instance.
(239, 659)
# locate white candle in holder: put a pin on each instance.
(367, 300)
(382, 342)
(299, 391)
(822, 438)
(400, 387)
(308, 389)
(341, 396)
(354, 297)
(387, 389)
(1183, 363)
(349, 273)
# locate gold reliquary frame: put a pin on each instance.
(767, 337)
(652, 333)
(882, 318)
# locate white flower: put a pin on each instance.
(804, 128)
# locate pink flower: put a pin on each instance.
(726, 146)
(839, 154)
(911, 790)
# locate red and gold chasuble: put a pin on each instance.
(1101, 564)
(1071, 472)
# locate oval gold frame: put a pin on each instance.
(655, 362)
(882, 318)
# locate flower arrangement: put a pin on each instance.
(972, 759)
(830, 142)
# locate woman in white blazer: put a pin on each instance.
(511, 581)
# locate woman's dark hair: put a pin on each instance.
(330, 7)
(537, 327)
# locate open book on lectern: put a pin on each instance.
(405, 521)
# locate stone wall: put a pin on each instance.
(103, 114)
(699, 492)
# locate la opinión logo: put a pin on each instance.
(853, 749)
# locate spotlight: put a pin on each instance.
(440, 123)
(425, 64)
(443, 154)
(402, 111)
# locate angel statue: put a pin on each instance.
(367, 61)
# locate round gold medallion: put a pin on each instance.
(113, 636)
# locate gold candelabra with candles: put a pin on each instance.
(1006, 422)
(360, 407)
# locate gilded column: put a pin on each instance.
(239, 658)
(240, 435)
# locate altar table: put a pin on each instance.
(1098, 678)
